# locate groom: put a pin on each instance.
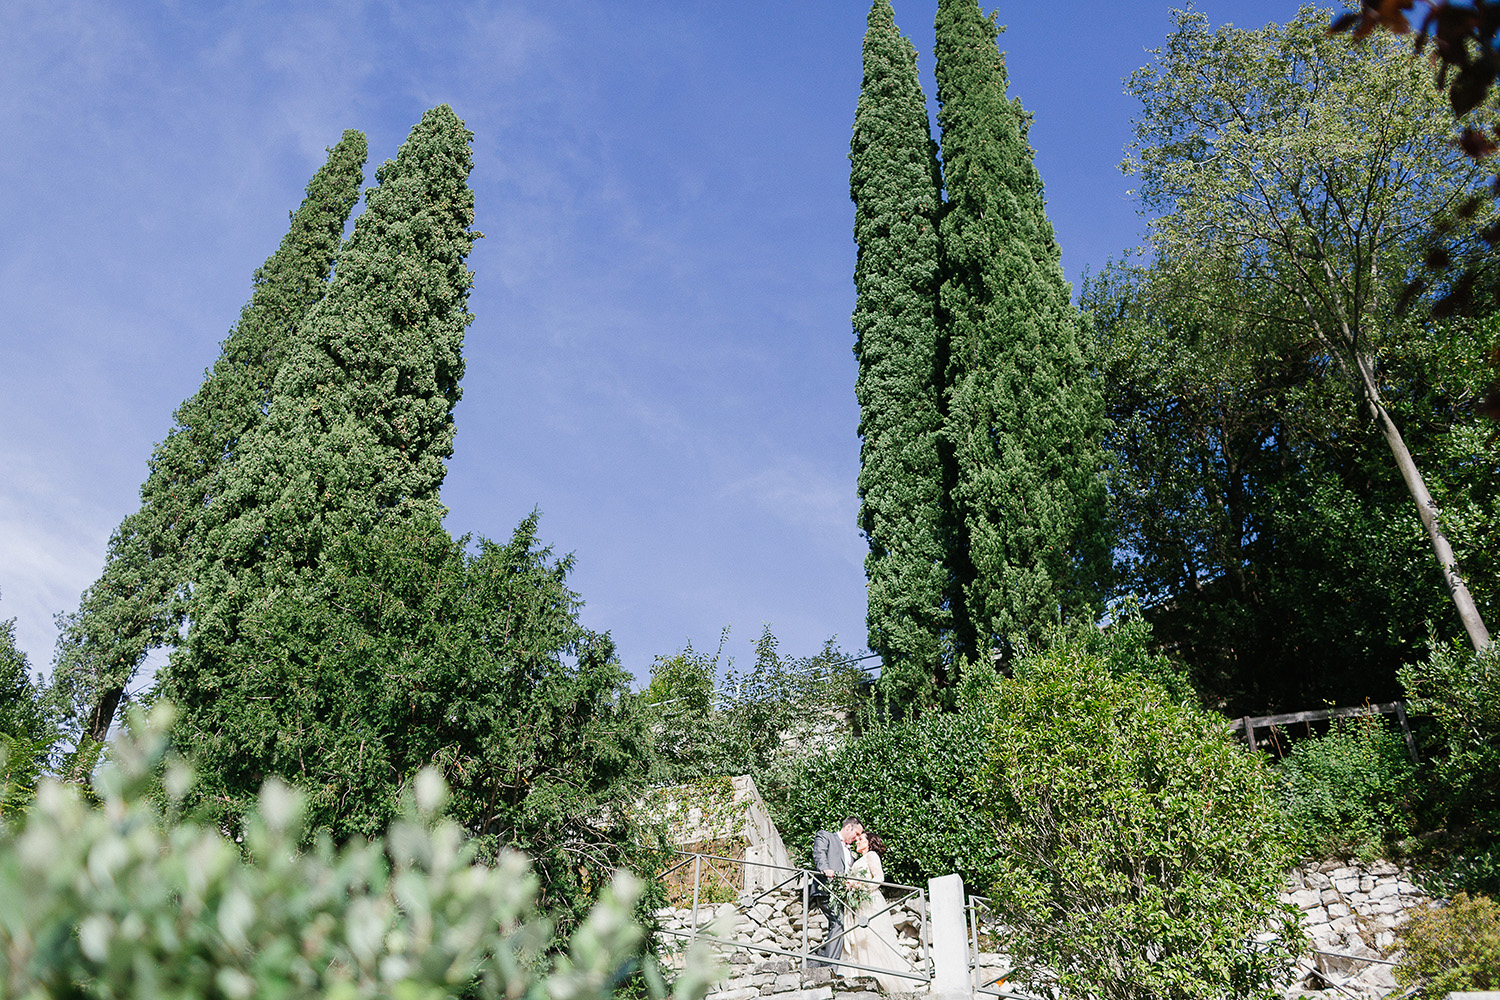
(830, 857)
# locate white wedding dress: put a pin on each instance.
(871, 936)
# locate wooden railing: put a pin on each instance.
(1249, 724)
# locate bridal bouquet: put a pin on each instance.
(851, 893)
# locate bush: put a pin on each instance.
(1460, 691)
(1353, 791)
(1140, 847)
(1455, 948)
(122, 902)
(911, 781)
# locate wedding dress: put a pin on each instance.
(871, 937)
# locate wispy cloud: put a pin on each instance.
(52, 547)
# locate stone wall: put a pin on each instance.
(1351, 910)
(1348, 911)
(723, 809)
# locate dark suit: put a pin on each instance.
(828, 856)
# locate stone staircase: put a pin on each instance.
(748, 979)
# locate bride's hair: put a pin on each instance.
(876, 844)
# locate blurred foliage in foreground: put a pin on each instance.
(132, 900)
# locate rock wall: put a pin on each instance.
(1351, 910)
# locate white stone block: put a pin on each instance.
(1304, 899)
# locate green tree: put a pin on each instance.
(130, 609)
(912, 781)
(720, 722)
(1259, 514)
(1298, 175)
(1023, 412)
(1140, 850)
(359, 424)
(895, 183)
(409, 652)
(27, 732)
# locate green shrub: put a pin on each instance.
(1352, 791)
(1455, 948)
(123, 901)
(1140, 847)
(912, 781)
(1460, 691)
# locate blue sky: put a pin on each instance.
(661, 359)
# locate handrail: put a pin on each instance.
(802, 879)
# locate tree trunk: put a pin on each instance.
(1427, 509)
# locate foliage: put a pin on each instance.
(744, 722)
(27, 732)
(911, 781)
(124, 901)
(1351, 791)
(1262, 514)
(1460, 691)
(895, 183)
(1024, 414)
(912, 778)
(1295, 177)
(129, 609)
(1140, 849)
(414, 653)
(1452, 949)
(1464, 52)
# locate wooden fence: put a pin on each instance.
(1249, 724)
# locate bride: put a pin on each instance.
(871, 938)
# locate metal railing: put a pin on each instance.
(789, 885)
(987, 980)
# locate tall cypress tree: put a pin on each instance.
(1024, 416)
(129, 610)
(895, 183)
(359, 426)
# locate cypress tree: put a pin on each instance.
(129, 610)
(359, 426)
(895, 183)
(1024, 416)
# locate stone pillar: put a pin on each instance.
(950, 938)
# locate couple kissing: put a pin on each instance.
(861, 930)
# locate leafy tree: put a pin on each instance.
(1140, 849)
(896, 187)
(1023, 414)
(1303, 173)
(1260, 516)
(716, 722)
(409, 653)
(130, 609)
(359, 424)
(130, 901)
(27, 732)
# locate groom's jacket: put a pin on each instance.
(828, 855)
